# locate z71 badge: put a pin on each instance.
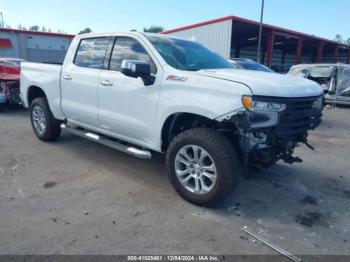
(176, 78)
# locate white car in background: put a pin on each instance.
(248, 64)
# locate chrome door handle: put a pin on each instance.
(106, 83)
(67, 77)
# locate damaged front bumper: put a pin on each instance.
(268, 136)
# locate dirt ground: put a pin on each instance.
(77, 197)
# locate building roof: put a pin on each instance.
(244, 20)
(10, 30)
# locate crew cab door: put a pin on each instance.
(79, 81)
(126, 106)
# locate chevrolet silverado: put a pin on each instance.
(140, 93)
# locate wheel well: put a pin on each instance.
(35, 92)
(180, 122)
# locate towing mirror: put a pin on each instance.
(134, 68)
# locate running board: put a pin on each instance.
(107, 142)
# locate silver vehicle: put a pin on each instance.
(334, 79)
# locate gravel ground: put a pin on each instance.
(77, 197)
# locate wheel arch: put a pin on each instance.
(34, 92)
(179, 122)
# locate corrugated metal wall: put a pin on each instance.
(215, 36)
(45, 56)
(36, 48)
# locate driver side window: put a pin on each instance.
(129, 49)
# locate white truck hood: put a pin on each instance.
(267, 84)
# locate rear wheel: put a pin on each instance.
(45, 126)
(203, 166)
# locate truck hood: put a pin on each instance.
(267, 84)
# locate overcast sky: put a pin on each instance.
(323, 18)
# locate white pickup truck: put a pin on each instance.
(140, 93)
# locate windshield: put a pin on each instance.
(254, 66)
(187, 55)
(322, 71)
(312, 71)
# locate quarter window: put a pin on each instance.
(129, 49)
(91, 53)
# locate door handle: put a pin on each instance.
(106, 83)
(67, 77)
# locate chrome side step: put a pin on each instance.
(105, 141)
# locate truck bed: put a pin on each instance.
(45, 76)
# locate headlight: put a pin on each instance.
(318, 104)
(252, 105)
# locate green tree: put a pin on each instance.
(87, 30)
(154, 29)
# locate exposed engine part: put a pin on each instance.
(306, 142)
(266, 137)
(286, 152)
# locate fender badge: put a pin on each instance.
(176, 78)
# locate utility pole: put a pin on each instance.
(260, 30)
(2, 20)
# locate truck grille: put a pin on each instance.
(299, 117)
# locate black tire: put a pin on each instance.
(223, 154)
(52, 130)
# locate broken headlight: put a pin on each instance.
(252, 105)
(318, 104)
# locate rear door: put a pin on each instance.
(126, 106)
(79, 81)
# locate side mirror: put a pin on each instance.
(134, 68)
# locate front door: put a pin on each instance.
(126, 106)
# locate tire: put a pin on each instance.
(221, 152)
(51, 130)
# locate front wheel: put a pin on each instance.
(203, 166)
(45, 126)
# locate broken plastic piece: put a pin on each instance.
(273, 246)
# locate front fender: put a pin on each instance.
(203, 96)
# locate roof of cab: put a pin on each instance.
(142, 34)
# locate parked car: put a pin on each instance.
(334, 79)
(248, 64)
(139, 93)
(9, 81)
(281, 69)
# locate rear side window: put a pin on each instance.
(129, 49)
(91, 53)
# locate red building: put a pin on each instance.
(234, 36)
